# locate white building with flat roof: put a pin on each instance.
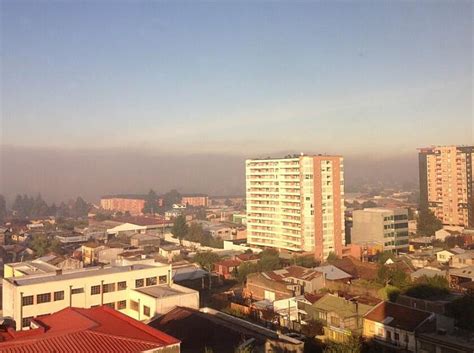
(140, 291)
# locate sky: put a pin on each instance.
(233, 78)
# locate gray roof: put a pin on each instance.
(160, 291)
(69, 275)
(428, 272)
(332, 273)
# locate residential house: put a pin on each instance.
(341, 317)
(169, 251)
(284, 283)
(76, 330)
(144, 240)
(443, 233)
(393, 327)
(207, 328)
(226, 268)
(444, 256)
(462, 260)
(356, 268)
(332, 273)
(458, 276)
(427, 272)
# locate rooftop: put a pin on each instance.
(299, 272)
(333, 273)
(100, 329)
(343, 307)
(398, 316)
(74, 274)
(164, 291)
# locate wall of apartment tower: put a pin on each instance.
(296, 204)
(446, 183)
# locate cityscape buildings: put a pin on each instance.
(446, 183)
(296, 204)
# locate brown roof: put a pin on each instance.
(398, 316)
(228, 263)
(299, 272)
(356, 268)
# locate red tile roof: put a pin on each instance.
(357, 268)
(398, 316)
(100, 329)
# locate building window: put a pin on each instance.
(108, 287)
(43, 298)
(151, 281)
(146, 310)
(110, 305)
(122, 285)
(26, 321)
(122, 305)
(139, 283)
(28, 300)
(59, 295)
(397, 336)
(389, 336)
(335, 321)
(95, 290)
(77, 290)
(134, 305)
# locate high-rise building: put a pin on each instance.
(386, 227)
(296, 204)
(446, 183)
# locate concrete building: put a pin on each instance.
(388, 227)
(296, 204)
(446, 183)
(140, 291)
(125, 203)
(195, 200)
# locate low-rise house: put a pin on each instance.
(427, 272)
(443, 233)
(441, 342)
(356, 268)
(99, 329)
(459, 276)
(391, 326)
(332, 273)
(227, 268)
(341, 317)
(223, 333)
(144, 240)
(462, 260)
(445, 256)
(285, 283)
(169, 250)
(90, 252)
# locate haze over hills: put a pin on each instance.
(60, 174)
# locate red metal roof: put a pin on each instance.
(100, 329)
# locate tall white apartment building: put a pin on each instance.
(296, 204)
(140, 291)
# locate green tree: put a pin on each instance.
(382, 257)
(392, 275)
(427, 223)
(170, 198)
(3, 209)
(80, 208)
(305, 261)
(206, 259)
(269, 260)
(428, 287)
(151, 203)
(180, 228)
(195, 233)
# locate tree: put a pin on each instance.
(195, 233)
(427, 223)
(332, 257)
(369, 204)
(3, 209)
(206, 259)
(428, 287)
(228, 202)
(180, 228)
(305, 261)
(170, 198)
(462, 310)
(80, 208)
(382, 257)
(151, 203)
(352, 345)
(269, 260)
(392, 275)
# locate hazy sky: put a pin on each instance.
(106, 96)
(237, 77)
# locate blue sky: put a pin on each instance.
(237, 77)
